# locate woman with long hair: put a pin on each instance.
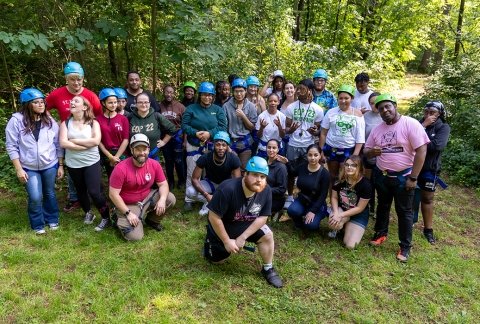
(310, 207)
(350, 196)
(277, 175)
(289, 92)
(32, 145)
(80, 136)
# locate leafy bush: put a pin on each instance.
(457, 85)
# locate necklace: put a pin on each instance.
(219, 163)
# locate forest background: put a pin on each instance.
(172, 41)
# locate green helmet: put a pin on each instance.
(190, 84)
(348, 89)
(385, 97)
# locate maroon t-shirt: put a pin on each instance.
(173, 111)
(114, 130)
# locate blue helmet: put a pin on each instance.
(30, 94)
(253, 80)
(257, 164)
(206, 87)
(121, 93)
(239, 83)
(107, 92)
(73, 67)
(320, 73)
(222, 136)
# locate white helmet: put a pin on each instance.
(139, 139)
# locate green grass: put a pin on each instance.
(77, 275)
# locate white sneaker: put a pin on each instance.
(204, 210)
(40, 231)
(332, 234)
(89, 218)
(53, 226)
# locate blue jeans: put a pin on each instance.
(298, 210)
(42, 201)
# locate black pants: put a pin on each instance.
(389, 189)
(88, 182)
(174, 160)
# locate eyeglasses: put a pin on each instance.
(143, 102)
(350, 165)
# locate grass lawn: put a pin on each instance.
(77, 275)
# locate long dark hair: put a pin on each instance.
(29, 118)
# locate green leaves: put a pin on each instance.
(25, 41)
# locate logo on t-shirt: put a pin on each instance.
(389, 142)
(148, 176)
(344, 123)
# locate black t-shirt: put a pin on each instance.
(218, 173)
(348, 197)
(132, 101)
(229, 202)
(313, 186)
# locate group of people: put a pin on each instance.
(239, 149)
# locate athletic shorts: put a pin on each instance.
(427, 181)
(215, 251)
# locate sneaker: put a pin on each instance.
(284, 218)
(204, 211)
(71, 205)
(156, 226)
(53, 227)
(429, 236)
(403, 254)
(378, 239)
(188, 206)
(89, 218)
(332, 234)
(104, 223)
(40, 231)
(272, 277)
(288, 202)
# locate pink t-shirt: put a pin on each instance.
(398, 142)
(60, 99)
(114, 130)
(134, 182)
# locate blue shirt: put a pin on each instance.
(326, 100)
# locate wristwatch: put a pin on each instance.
(127, 213)
(412, 178)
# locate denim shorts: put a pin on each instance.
(361, 219)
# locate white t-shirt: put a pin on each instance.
(307, 115)
(344, 130)
(361, 100)
(271, 130)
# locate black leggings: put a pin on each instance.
(88, 181)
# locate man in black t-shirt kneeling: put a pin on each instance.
(238, 212)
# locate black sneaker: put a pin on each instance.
(272, 277)
(403, 255)
(104, 223)
(71, 205)
(188, 206)
(429, 236)
(156, 226)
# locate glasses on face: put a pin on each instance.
(350, 165)
(319, 80)
(143, 102)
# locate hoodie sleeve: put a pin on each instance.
(165, 125)
(186, 119)
(12, 134)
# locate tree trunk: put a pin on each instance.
(337, 16)
(423, 66)
(112, 59)
(7, 73)
(298, 20)
(458, 36)
(307, 20)
(154, 46)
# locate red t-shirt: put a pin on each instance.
(114, 130)
(60, 99)
(135, 182)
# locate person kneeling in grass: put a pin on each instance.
(238, 212)
(350, 196)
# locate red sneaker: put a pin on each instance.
(378, 239)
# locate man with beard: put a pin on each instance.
(219, 165)
(238, 212)
(303, 125)
(400, 146)
(321, 96)
(132, 194)
(134, 88)
(173, 110)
